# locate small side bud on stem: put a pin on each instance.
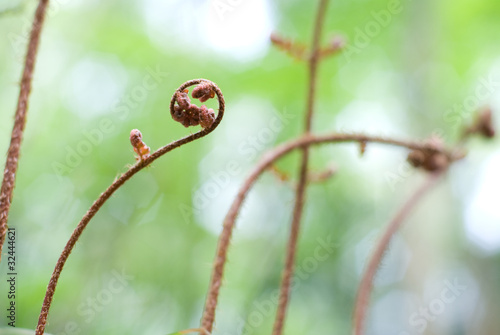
(336, 44)
(139, 146)
(299, 51)
(279, 174)
(362, 148)
(295, 50)
(483, 125)
(322, 176)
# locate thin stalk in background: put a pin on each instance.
(9, 174)
(291, 248)
(366, 285)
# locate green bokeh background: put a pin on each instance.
(161, 227)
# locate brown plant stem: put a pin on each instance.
(265, 162)
(366, 285)
(42, 320)
(321, 176)
(286, 277)
(9, 175)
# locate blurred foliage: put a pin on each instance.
(17, 331)
(143, 264)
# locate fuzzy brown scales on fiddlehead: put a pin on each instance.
(203, 92)
(189, 114)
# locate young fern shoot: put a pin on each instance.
(144, 160)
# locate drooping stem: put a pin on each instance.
(366, 285)
(291, 248)
(42, 320)
(9, 175)
(267, 160)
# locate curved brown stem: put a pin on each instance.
(266, 161)
(366, 285)
(42, 320)
(286, 277)
(9, 175)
